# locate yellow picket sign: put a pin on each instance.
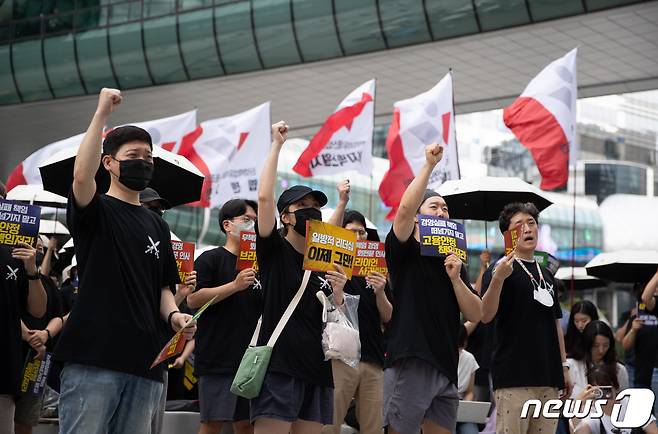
(327, 245)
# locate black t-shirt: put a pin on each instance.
(298, 352)
(480, 345)
(426, 317)
(370, 324)
(69, 296)
(226, 327)
(53, 309)
(13, 300)
(124, 260)
(526, 351)
(646, 351)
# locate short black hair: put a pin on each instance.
(512, 209)
(3, 190)
(463, 337)
(122, 135)
(353, 216)
(235, 208)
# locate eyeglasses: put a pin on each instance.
(243, 219)
(360, 232)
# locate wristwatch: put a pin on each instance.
(566, 365)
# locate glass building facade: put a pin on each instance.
(58, 48)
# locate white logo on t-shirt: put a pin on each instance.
(257, 285)
(153, 248)
(12, 274)
(324, 284)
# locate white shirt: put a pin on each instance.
(466, 368)
(594, 425)
(578, 373)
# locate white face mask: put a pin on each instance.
(243, 227)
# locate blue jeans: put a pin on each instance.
(100, 401)
(467, 428)
(654, 387)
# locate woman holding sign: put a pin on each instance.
(297, 392)
(420, 376)
(366, 382)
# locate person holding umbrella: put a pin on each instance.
(20, 289)
(127, 275)
(420, 375)
(529, 359)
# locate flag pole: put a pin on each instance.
(573, 235)
(372, 180)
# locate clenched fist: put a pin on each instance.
(108, 100)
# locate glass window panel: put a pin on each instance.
(197, 41)
(90, 18)
(94, 60)
(549, 9)
(593, 5)
(316, 33)
(124, 12)
(273, 25)
(162, 50)
(157, 8)
(60, 65)
(28, 70)
(59, 23)
(194, 4)
(8, 93)
(27, 28)
(450, 18)
(127, 55)
(358, 26)
(236, 41)
(497, 14)
(404, 22)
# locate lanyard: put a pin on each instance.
(532, 278)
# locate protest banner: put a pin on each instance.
(184, 254)
(511, 239)
(247, 253)
(176, 344)
(548, 261)
(648, 320)
(19, 223)
(439, 236)
(35, 374)
(327, 245)
(370, 256)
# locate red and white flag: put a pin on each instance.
(344, 142)
(417, 122)
(166, 132)
(230, 152)
(543, 118)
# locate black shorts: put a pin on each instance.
(216, 401)
(289, 399)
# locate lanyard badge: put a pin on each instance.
(542, 291)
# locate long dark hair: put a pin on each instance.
(603, 375)
(583, 351)
(573, 336)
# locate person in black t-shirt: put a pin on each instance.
(226, 327)
(420, 376)
(297, 392)
(20, 290)
(366, 382)
(529, 360)
(127, 277)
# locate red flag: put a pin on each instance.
(543, 118)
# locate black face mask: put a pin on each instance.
(135, 173)
(39, 259)
(302, 216)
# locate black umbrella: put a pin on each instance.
(629, 266)
(485, 197)
(174, 176)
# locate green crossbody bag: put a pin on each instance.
(253, 366)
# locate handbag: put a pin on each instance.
(255, 361)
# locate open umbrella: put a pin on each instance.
(485, 197)
(628, 266)
(174, 176)
(580, 278)
(35, 195)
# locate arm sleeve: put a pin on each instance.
(396, 251)
(266, 247)
(170, 275)
(204, 271)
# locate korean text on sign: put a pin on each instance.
(370, 256)
(19, 223)
(184, 254)
(439, 237)
(327, 245)
(247, 253)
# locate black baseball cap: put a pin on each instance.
(150, 195)
(296, 192)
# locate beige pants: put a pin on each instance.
(7, 408)
(509, 403)
(366, 384)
